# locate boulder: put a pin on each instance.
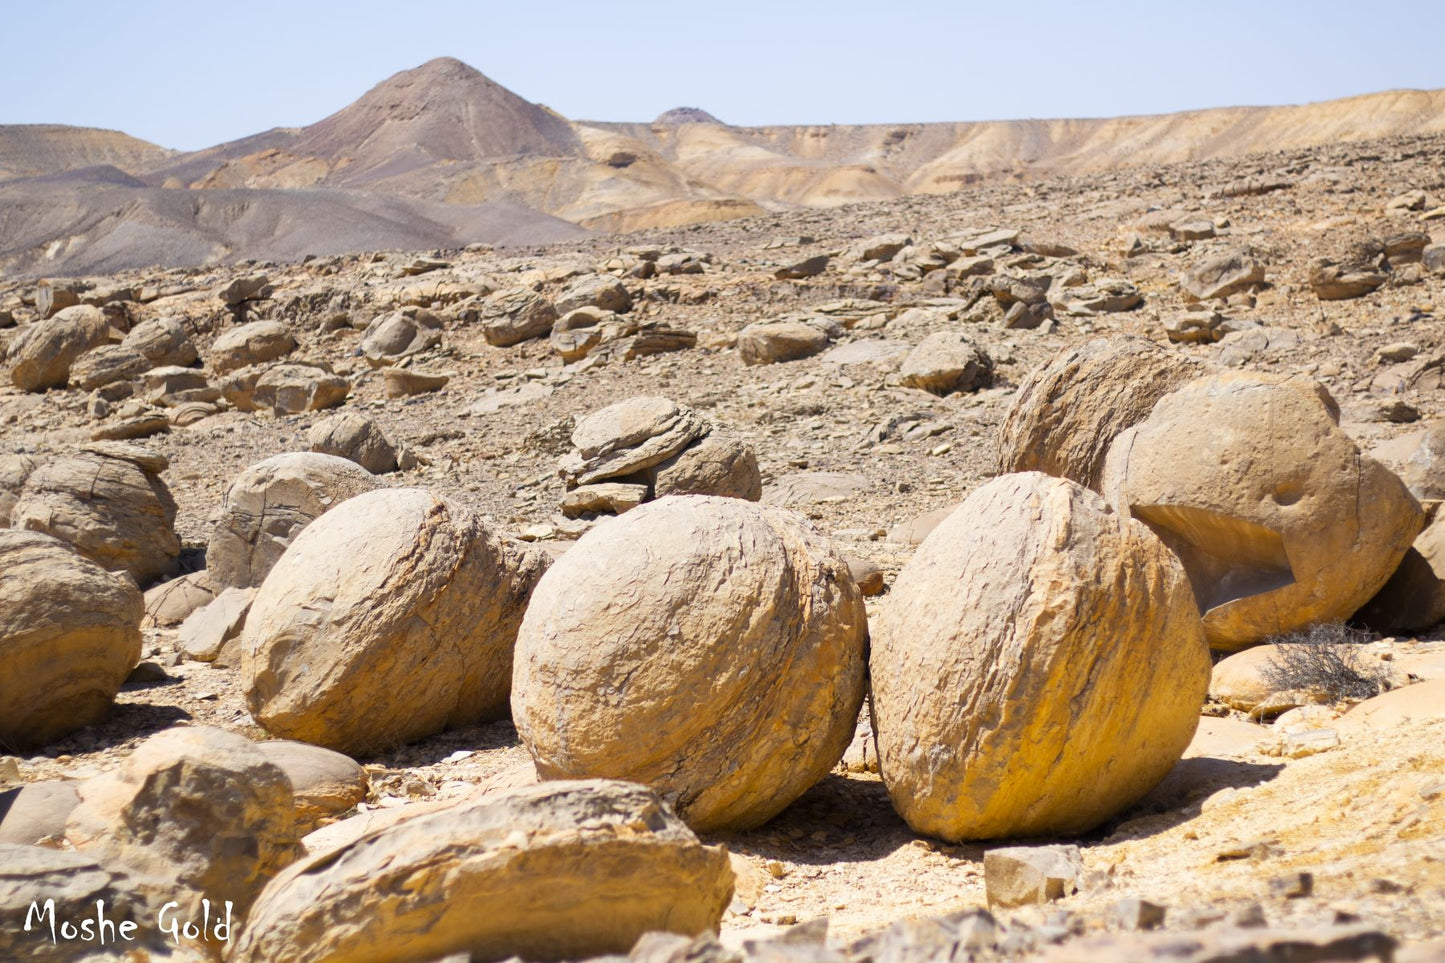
(198, 806)
(883, 247)
(1337, 282)
(707, 647)
(517, 315)
(1433, 258)
(717, 464)
(34, 814)
(1068, 411)
(172, 386)
(1039, 668)
(400, 334)
(163, 341)
(611, 497)
(554, 872)
(106, 365)
(1220, 275)
(627, 437)
(388, 619)
(169, 603)
(1251, 482)
(945, 362)
(405, 382)
(1239, 680)
(595, 291)
(252, 287)
(577, 333)
(324, 783)
(1031, 875)
(1424, 470)
(249, 344)
(771, 342)
(269, 504)
(108, 500)
(55, 295)
(14, 470)
(285, 389)
(1198, 325)
(209, 630)
(41, 356)
(808, 267)
(78, 883)
(1407, 705)
(69, 636)
(355, 437)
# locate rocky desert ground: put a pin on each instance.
(1187, 409)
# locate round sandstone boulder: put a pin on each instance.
(355, 437)
(710, 648)
(388, 619)
(69, 636)
(1040, 667)
(267, 506)
(1251, 482)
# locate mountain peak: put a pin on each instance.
(685, 115)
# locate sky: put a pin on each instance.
(187, 75)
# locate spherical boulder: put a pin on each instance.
(41, 356)
(109, 501)
(267, 506)
(1277, 517)
(1068, 411)
(388, 619)
(355, 437)
(1040, 666)
(69, 636)
(710, 648)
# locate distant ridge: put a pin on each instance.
(685, 115)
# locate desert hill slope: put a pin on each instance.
(443, 135)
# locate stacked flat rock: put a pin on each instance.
(648, 447)
(108, 500)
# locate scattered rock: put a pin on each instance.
(766, 628)
(251, 344)
(163, 341)
(34, 814)
(1335, 282)
(945, 362)
(595, 291)
(285, 389)
(404, 382)
(517, 315)
(1018, 601)
(388, 619)
(324, 783)
(252, 287)
(41, 356)
(1220, 275)
(206, 632)
(771, 342)
(627, 437)
(355, 437)
(1027, 875)
(400, 334)
(808, 267)
(610, 497)
(169, 603)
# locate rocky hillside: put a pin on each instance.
(443, 133)
(1046, 571)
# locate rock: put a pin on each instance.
(388, 619)
(34, 814)
(1220, 275)
(1068, 411)
(105, 365)
(1022, 685)
(285, 389)
(1250, 480)
(517, 315)
(577, 333)
(269, 504)
(252, 287)
(133, 429)
(602, 497)
(1407, 705)
(866, 352)
(681, 262)
(627, 437)
(1406, 247)
(1196, 227)
(171, 386)
(1433, 258)
(1198, 325)
(717, 464)
(1409, 201)
(198, 806)
(208, 630)
(355, 437)
(162, 341)
(764, 630)
(324, 783)
(814, 487)
(1239, 680)
(560, 871)
(169, 603)
(14, 470)
(1424, 470)
(868, 575)
(595, 291)
(53, 296)
(1029, 875)
(771, 342)
(884, 247)
(400, 334)
(913, 531)
(1104, 296)
(405, 382)
(1413, 600)
(41, 356)
(108, 500)
(1023, 316)
(808, 267)
(251, 344)
(78, 884)
(945, 362)
(1335, 282)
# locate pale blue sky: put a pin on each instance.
(191, 74)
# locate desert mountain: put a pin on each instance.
(441, 155)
